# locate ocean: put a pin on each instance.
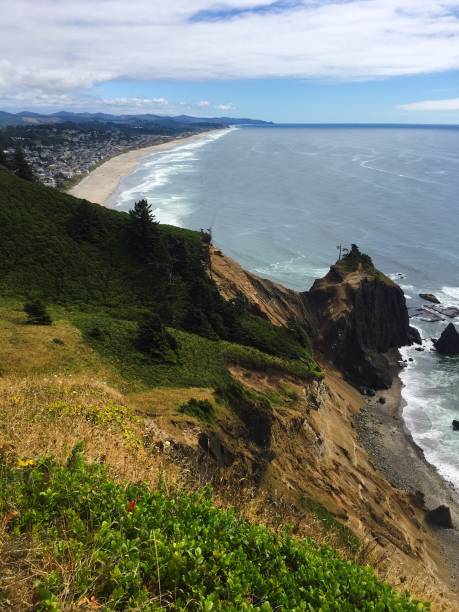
(281, 200)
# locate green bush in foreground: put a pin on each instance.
(131, 548)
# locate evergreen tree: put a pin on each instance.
(21, 166)
(37, 313)
(143, 230)
(153, 339)
(87, 224)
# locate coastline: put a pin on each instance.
(392, 449)
(101, 183)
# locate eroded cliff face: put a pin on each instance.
(361, 320)
(357, 320)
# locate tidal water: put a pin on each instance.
(280, 201)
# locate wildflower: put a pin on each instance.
(131, 505)
(25, 463)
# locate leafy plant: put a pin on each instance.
(201, 409)
(124, 547)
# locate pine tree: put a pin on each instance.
(87, 224)
(21, 166)
(37, 313)
(143, 230)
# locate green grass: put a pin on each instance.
(344, 535)
(200, 362)
(126, 547)
(201, 409)
(81, 257)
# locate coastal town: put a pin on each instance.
(61, 156)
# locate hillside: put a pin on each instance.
(228, 394)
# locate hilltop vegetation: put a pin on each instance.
(121, 268)
(126, 547)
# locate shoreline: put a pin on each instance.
(101, 183)
(392, 449)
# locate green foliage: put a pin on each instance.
(73, 253)
(87, 224)
(201, 409)
(143, 234)
(252, 408)
(260, 333)
(153, 339)
(197, 362)
(37, 313)
(345, 535)
(133, 548)
(355, 258)
(21, 167)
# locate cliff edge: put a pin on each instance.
(361, 320)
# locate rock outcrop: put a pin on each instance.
(429, 297)
(440, 517)
(448, 343)
(360, 317)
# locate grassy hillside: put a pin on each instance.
(79, 534)
(125, 547)
(86, 260)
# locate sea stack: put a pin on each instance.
(448, 343)
(361, 320)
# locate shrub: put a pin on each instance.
(153, 339)
(201, 409)
(37, 313)
(125, 547)
(252, 408)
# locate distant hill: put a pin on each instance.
(31, 118)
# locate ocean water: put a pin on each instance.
(280, 201)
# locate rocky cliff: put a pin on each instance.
(356, 317)
(360, 319)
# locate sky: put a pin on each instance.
(293, 61)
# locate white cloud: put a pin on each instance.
(451, 104)
(225, 107)
(57, 47)
(204, 104)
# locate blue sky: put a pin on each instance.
(280, 60)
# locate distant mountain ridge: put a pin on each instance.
(31, 118)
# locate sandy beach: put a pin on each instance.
(392, 449)
(101, 183)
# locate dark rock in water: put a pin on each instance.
(420, 349)
(414, 335)
(440, 517)
(456, 425)
(430, 297)
(448, 343)
(371, 392)
(382, 400)
(447, 311)
(425, 314)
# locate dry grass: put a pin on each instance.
(55, 394)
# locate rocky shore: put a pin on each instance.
(391, 448)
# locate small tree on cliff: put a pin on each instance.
(143, 230)
(154, 340)
(37, 313)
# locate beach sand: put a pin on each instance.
(99, 185)
(392, 449)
